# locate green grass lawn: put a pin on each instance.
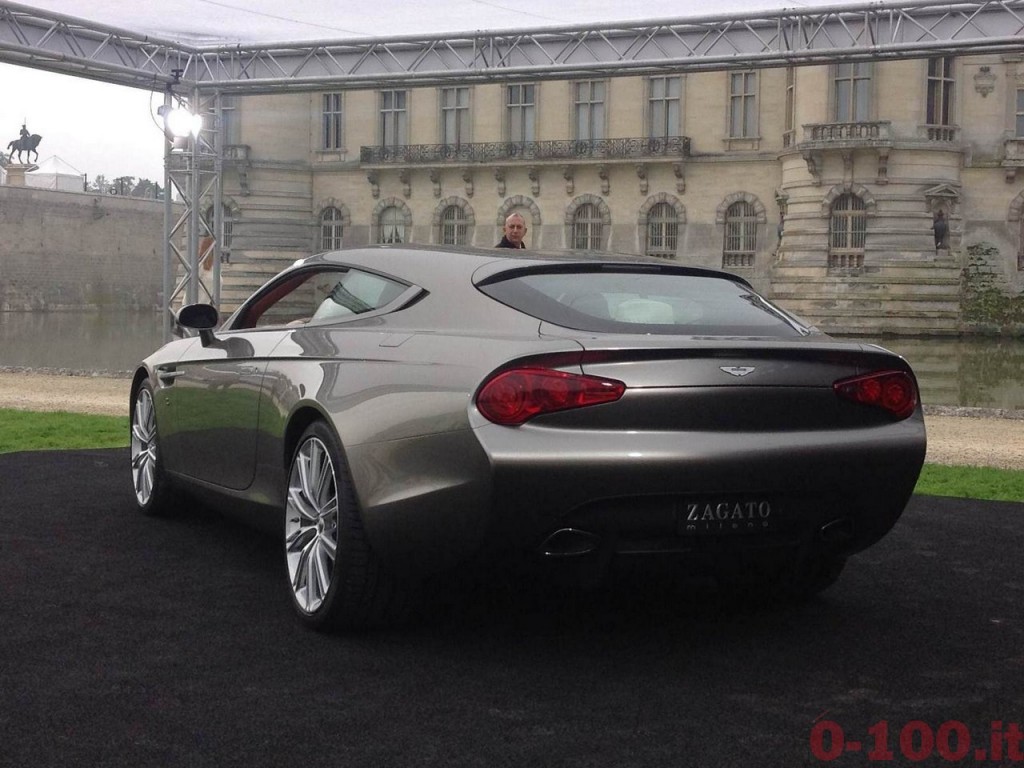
(34, 431)
(38, 431)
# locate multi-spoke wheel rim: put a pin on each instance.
(311, 524)
(143, 447)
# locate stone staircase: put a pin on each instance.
(274, 228)
(240, 279)
(906, 298)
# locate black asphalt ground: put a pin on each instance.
(129, 641)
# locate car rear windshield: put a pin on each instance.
(634, 301)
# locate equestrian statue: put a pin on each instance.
(25, 145)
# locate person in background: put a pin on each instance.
(515, 231)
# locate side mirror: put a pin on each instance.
(199, 317)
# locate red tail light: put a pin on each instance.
(516, 396)
(893, 391)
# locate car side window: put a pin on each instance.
(316, 296)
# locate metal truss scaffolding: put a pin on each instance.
(790, 36)
(192, 238)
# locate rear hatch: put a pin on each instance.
(697, 349)
(732, 384)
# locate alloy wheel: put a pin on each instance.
(311, 524)
(144, 447)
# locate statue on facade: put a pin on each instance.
(940, 228)
(25, 145)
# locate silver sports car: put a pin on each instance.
(395, 412)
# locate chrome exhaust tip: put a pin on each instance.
(570, 542)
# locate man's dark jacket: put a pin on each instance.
(506, 243)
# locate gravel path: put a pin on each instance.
(956, 436)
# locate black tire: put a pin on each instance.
(153, 494)
(334, 578)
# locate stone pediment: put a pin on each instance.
(943, 191)
(942, 196)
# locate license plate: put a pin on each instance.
(696, 517)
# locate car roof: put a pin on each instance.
(425, 264)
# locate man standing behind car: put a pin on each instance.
(515, 231)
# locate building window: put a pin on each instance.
(940, 91)
(789, 137)
(391, 229)
(454, 226)
(454, 116)
(663, 107)
(227, 225)
(209, 229)
(740, 235)
(852, 92)
(520, 108)
(587, 228)
(229, 120)
(331, 229)
(588, 110)
(1020, 114)
(393, 119)
(662, 231)
(847, 232)
(332, 121)
(743, 105)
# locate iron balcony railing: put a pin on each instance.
(489, 152)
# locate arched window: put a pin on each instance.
(454, 226)
(392, 226)
(331, 229)
(740, 235)
(587, 228)
(662, 231)
(847, 232)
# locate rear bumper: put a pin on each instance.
(558, 494)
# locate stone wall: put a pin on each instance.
(75, 250)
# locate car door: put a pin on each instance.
(213, 393)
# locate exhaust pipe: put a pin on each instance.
(569, 542)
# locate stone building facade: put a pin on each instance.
(821, 184)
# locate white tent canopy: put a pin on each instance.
(56, 173)
(211, 22)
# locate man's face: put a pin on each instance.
(515, 229)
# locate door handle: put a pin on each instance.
(168, 376)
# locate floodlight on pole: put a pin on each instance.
(179, 122)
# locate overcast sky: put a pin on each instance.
(109, 130)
